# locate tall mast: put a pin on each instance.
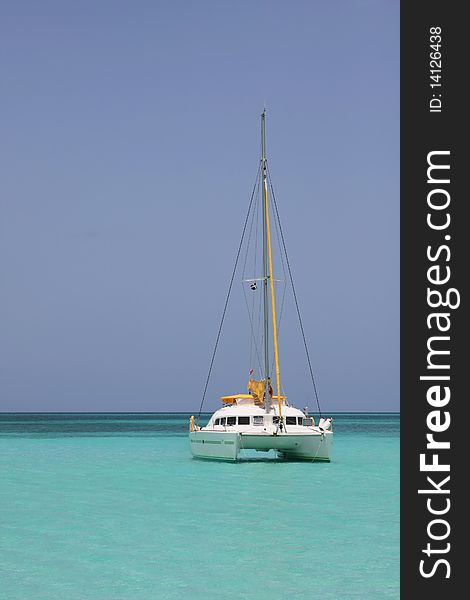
(268, 274)
(265, 262)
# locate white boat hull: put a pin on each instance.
(214, 444)
(223, 445)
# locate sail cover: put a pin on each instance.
(257, 387)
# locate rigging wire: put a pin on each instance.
(285, 281)
(228, 297)
(253, 338)
(251, 226)
(257, 211)
(250, 314)
(294, 293)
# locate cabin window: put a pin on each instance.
(243, 420)
(217, 422)
(291, 420)
(275, 420)
(307, 422)
(222, 421)
(258, 420)
(300, 420)
(231, 420)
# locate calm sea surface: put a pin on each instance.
(113, 507)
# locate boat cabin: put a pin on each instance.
(260, 420)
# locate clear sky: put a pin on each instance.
(129, 141)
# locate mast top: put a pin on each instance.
(263, 137)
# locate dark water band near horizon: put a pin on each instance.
(50, 424)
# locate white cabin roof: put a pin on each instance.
(249, 410)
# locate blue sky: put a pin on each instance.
(129, 146)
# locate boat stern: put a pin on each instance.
(214, 444)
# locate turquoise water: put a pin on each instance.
(112, 507)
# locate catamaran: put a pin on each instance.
(261, 418)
